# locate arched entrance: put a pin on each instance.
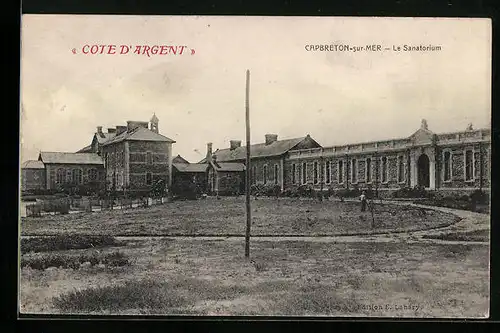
(423, 171)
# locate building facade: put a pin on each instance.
(71, 169)
(267, 159)
(137, 157)
(458, 161)
(32, 175)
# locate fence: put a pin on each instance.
(85, 204)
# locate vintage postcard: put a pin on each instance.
(255, 166)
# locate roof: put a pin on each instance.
(195, 167)
(33, 164)
(230, 167)
(276, 148)
(138, 134)
(70, 158)
(104, 137)
(86, 149)
(179, 159)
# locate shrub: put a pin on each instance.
(348, 193)
(304, 190)
(66, 242)
(148, 295)
(460, 200)
(267, 189)
(115, 259)
(260, 266)
(257, 189)
(479, 197)
(185, 189)
(411, 192)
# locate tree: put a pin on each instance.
(158, 189)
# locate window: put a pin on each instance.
(354, 169)
(293, 174)
(368, 170)
(315, 172)
(275, 174)
(401, 169)
(447, 166)
(265, 174)
(341, 172)
(304, 173)
(77, 176)
(105, 160)
(92, 174)
(149, 158)
(149, 178)
(254, 174)
(469, 165)
(384, 170)
(60, 175)
(328, 172)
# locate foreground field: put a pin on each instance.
(211, 277)
(284, 216)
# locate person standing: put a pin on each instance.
(362, 198)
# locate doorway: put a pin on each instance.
(423, 165)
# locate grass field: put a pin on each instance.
(284, 216)
(200, 277)
(347, 276)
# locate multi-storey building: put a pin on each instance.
(135, 156)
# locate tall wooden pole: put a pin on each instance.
(248, 168)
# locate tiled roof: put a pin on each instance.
(230, 166)
(70, 158)
(180, 159)
(139, 134)
(87, 149)
(195, 167)
(103, 137)
(32, 164)
(276, 148)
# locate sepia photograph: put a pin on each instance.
(255, 166)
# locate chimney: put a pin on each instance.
(131, 125)
(270, 138)
(99, 129)
(209, 151)
(233, 144)
(111, 130)
(120, 129)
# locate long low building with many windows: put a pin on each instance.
(457, 161)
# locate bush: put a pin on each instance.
(115, 259)
(305, 190)
(185, 189)
(479, 197)
(460, 200)
(66, 242)
(265, 190)
(146, 295)
(412, 192)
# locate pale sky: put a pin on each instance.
(336, 97)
